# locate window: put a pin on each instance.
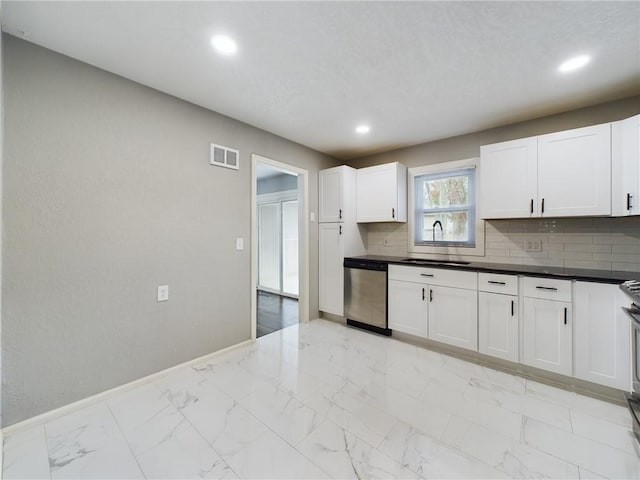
(446, 193)
(445, 208)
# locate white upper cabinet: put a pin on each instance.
(508, 179)
(625, 167)
(330, 194)
(563, 174)
(574, 172)
(382, 193)
(602, 335)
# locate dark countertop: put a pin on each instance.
(586, 275)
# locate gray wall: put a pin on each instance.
(277, 183)
(108, 192)
(599, 243)
(467, 146)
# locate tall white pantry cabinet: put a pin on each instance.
(338, 233)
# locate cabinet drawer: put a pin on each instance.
(498, 283)
(547, 288)
(434, 276)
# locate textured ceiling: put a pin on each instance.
(312, 71)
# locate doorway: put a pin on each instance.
(279, 246)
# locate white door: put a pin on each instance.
(498, 325)
(331, 271)
(269, 232)
(453, 316)
(509, 179)
(408, 307)
(602, 335)
(547, 335)
(290, 251)
(377, 199)
(330, 195)
(574, 172)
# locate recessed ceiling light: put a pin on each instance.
(223, 44)
(574, 63)
(363, 129)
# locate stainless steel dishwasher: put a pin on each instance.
(365, 295)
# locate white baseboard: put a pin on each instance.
(85, 402)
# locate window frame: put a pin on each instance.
(445, 248)
(469, 208)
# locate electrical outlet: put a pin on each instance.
(163, 293)
(239, 243)
(533, 245)
(387, 242)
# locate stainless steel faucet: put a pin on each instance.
(437, 222)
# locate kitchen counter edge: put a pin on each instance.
(583, 275)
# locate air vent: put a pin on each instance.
(225, 157)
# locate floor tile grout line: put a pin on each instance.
(125, 439)
(581, 437)
(199, 432)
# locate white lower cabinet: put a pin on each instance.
(331, 272)
(408, 307)
(453, 316)
(498, 325)
(602, 335)
(547, 341)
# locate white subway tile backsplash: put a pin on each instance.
(627, 249)
(572, 238)
(625, 267)
(588, 247)
(594, 243)
(587, 264)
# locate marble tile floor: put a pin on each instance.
(321, 400)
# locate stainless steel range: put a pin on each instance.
(632, 289)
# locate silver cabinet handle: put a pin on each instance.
(426, 275)
(393, 213)
(554, 289)
(496, 283)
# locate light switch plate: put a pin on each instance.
(239, 243)
(163, 293)
(312, 216)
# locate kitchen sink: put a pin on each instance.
(426, 261)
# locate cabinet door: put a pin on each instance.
(602, 335)
(498, 325)
(574, 172)
(331, 271)
(625, 167)
(377, 194)
(453, 316)
(508, 179)
(547, 335)
(408, 307)
(330, 185)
